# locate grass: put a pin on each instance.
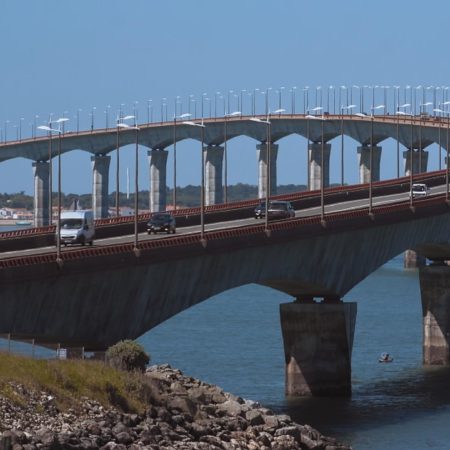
(70, 380)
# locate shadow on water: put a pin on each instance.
(373, 405)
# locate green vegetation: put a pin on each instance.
(127, 355)
(70, 380)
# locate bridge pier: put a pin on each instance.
(213, 155)
(261, 152)
(41, 193)
(411, 260)
(435, 292)
(365, 164)
(318, 341)
(317, 167)
(158, 196)
(419, 161)
(100, 183)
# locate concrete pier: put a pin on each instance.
(261, 153)
(213, 174)
(158, 195)
(435, 291)
(318, 341)
(419, 161)
(364, 163)
(41, 193)
(100, 183)
(317, 166)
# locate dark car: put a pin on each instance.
(276, 210)
(161, 222)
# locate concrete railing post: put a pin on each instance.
(318, 341)
(213, 155)
(158, 174)
(261, 153)
(100, 183)
(364, 163)
(41, 193)
(435, 292)
(317, 166)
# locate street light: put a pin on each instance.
(92, 117)
(268, 170)
(174, 193)
(60, 132)
(202, 188)
(225, 153)
(342, 139)
(119, 124)
(446, 149)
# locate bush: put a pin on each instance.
(127, 355)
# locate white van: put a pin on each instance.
(419, 190)
(77, 227)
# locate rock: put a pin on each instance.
(254, 417)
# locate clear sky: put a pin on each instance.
(60, 57)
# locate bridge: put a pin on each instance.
(93, 297)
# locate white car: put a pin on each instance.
(419, 190)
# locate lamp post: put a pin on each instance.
(92, 117)
(447, 113)
(202, 188)
(293, 89)
(6, 130)
(119, 124)
(174, 193)
(268, 169)
(225, 151)
(342, 139)
(149, 111)
(58, 228)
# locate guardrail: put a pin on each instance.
(303, 226)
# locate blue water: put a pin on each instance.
(234, 340)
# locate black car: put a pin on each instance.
(161, 222)
(277, 210)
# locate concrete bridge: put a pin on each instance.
(102, 294)
(415, 133)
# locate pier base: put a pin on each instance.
(435, 292)
(318, 341)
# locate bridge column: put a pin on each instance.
(420, 163)
(213, 155)
(364, 163)
(158, 195)
(41, 193)
(435, 291)
(317, 166)
(318, 341)
(261, 153)
(411, 259)
(100, 183)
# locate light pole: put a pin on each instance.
(267, 123)
(174, 193)
(58, 228)
(6, 130)
(342, 139)
(119, 124)
(293, 89)
(447, 113)
(202, 188)
(92, 117)
(225, 151)
(149, 111)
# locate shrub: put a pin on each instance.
(127, 355)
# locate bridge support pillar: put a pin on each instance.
(318, 341)
(100, 183)
(41, 193)
(213, 174)
(317, 167)
(158, 196)
(261, 152)
(365, 164)
(435, 291)
(419, 161)
(411, 259)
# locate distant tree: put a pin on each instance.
(127, 355)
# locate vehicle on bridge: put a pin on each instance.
(418, 190)
(161, 222)
(277, 210)
(77, 227)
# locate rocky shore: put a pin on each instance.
(184, 413)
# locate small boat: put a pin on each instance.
(23, 222)
(385, 358)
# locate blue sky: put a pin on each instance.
(60, 56)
